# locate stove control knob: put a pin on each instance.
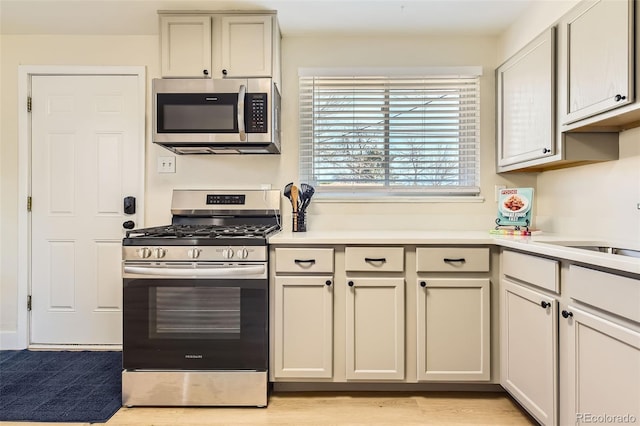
(193, 253)
(144, 252)
(243, 253)
(159, 252)
(227, 253)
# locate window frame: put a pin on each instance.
(377, 192)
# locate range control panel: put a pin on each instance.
(225, 199)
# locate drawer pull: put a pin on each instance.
(311, 261)
(375, 259)
(545, 304)
(460, 260)
(328, 282)
(423, 283)
(567, 314)
(350, 283)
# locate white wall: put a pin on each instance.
(596, 200)
(248, 171)
(301, 52)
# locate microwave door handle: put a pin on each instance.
(241, 129)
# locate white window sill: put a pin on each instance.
(352, 198)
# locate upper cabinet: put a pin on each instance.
(526, 97)
(185, 46)
(246, 46)
(563, 99)
(212, 45)
(597, 63)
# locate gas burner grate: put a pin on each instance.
(204, 231)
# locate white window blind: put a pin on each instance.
(390, 135)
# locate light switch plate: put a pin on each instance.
(166, 164)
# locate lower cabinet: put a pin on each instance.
(303, 327)
(453, 329)
(601, 373)
(360, 314)
(375, 337)
(529, 350)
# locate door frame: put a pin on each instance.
(25, 73)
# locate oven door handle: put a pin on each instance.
(245, 271)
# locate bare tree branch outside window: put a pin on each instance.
(396, 135)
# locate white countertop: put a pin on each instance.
(537, 244)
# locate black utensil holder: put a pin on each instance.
(299, 222)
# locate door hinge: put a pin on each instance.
(28, 302)
(29, 203)
(28, 103)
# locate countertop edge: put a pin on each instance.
(544, 244)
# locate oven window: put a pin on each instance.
(199, 117)
(191, 312)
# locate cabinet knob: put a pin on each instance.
(567, 314)
(545, 150)
(350, 283)
(328, 282)
(545, 304)
(205, 72)
(423, 283)
(619, 98)
(224, 72)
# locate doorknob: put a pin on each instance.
(129, 205)
(129, 224)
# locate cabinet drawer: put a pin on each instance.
(534, 270)
(452, 259)
(612, 293)
(304, 260)
(390, 259)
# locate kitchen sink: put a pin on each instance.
(610, 250)
(598, 247)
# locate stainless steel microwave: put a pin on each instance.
(217, 116)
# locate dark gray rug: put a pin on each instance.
(60, 386)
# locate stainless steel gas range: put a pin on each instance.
(195, 326)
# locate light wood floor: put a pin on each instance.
(353, 408)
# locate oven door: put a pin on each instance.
(183, 316)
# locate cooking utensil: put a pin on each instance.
(294, 203)
(287, 191)
(307, 193)
(294, 197)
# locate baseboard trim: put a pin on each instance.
(385, 387)
(41, 347)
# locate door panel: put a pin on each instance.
(86, 157)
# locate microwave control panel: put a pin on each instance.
(256, 112)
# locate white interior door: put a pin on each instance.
(86, 149)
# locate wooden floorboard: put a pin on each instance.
(338, 408)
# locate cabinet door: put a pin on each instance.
(303, 327)
(603, 370)
(246, 46)
(453, 329)
(185, 46)
(599, 58)
(526, 98)
(526, 102)
(375, 328)
(529, 350)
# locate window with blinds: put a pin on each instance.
(390, 135)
